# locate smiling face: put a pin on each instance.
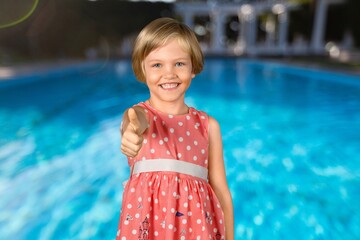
(168, 72)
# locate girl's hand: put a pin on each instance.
(132, 139)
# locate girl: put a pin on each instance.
(177, 187)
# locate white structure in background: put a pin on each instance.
(276, 27)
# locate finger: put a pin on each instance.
(133, 138)
(134, 121)
(131, 146)
(128, 151)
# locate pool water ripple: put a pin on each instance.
(291, 140)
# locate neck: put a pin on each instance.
(174, 108)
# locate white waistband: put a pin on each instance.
(172, 165)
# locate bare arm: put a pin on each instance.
(217, 177)
(134, 125)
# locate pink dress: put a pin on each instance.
(170, 198)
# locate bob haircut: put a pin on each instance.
(156, 34)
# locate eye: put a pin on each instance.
(156, 65)
(179, 64)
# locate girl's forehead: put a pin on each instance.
(171, 49)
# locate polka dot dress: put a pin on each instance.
(168, 205)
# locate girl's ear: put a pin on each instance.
(193, 75)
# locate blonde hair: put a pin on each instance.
(156, 34)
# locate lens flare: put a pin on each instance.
(22, 18)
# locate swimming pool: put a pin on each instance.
(291, 143)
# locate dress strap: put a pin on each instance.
(172, 165)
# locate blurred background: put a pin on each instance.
(44, 30)
(288, 71)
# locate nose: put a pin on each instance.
(169, 72)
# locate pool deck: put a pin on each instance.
(42, 68)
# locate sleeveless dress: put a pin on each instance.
(167, 196)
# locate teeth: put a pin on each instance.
(169, 85)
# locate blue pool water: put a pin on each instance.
(291, 144)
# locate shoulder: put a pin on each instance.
(214, 129)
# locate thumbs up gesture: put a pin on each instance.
(134, 125)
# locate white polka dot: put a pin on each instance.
(202, 117)
(206, 161)
(163, 193)
(195, 158)
(220, 221)
(150, 183)
(156, 201)
(153, 135)
(190, 197)
(164, 209)
(137, 215)
(129, 206)
(203, 228)
(188, 117)
(198, 221)
(167, 152)
(198, 238)
(123, 238)
(174, 194)
(171, 116)
(156, 217)
(195, 143)
(152, 150)
(155, 117)
(161, 142)
(156, 233)
(181, 139)
(188, 148)
(166, 139)
(198, 205)
(134, 232)
(179, 155)
(189, 214)
(186, 205)
(172, 210)
(184, 221)
(203, 151)
(186, 189)
(215, 230)
(187, 133)
(182, 238)
(145, 141)
(126, 222)
(172, 130)
(149, 199)
(170, 226)
(139, 199)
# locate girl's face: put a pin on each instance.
(168, 73)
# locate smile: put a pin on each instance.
(169, 86)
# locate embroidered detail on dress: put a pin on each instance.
(217, 236)
(144, 230)
(129, 217)
(179, 214)
(208, 218)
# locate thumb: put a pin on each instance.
(133, 120)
